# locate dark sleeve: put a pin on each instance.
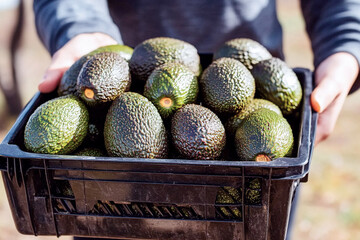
(333, 26)
(57, 21)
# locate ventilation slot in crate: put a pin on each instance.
(146, 210)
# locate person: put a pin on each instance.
(70, 29)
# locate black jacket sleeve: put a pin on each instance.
(57, 21)
(333, 26)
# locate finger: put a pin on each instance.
(324, 94)
(59, 64)
(51, 79)
(328, 118)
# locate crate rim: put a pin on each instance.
(309, 119)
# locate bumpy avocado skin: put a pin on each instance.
(154, 52)
(263, 132)
(106, 74)
(234, 122)
(173, 81)
(134, 128)
(247, 51)
(227, 86)
(58, 126)
(197, 133)
(278, 83)
(68, 81)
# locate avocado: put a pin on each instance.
(171, 86)
(134, 128)
(263, 136)
(90, 151)
(95, 134)
(197, 133)
(123, 50)
(68, 81)
(234, 122)
(103, 78)
(247, 51)
(154, 52)
(278, 83)
(227, 86)
(57, 126)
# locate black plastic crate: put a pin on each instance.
(154, 198)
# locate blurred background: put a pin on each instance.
(329, 206)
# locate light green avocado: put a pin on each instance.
(171, 86)
(234, 122)
(263, 136)
(57, 126)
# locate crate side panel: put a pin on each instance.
(18, 205)
(280, 204)
(132, 228)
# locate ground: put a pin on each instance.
(329, 205)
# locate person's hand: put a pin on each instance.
(334, 78)
(68, 54)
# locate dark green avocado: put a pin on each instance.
(134, 128)
(197, 133)
(154, 52)
(227, 86)
(278, 83)
(68, 81)
(247, 51)
(103, 78)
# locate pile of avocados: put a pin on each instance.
(157, 101)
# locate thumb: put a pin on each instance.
(51, 79)
(324, 94)
(334, 76)
(59, 64)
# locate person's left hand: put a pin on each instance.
(334, 78)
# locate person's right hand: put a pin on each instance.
(68, 54)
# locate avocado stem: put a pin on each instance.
(166, 102)
(89, 93)
(262, 158)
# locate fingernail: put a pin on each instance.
(316, 102)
